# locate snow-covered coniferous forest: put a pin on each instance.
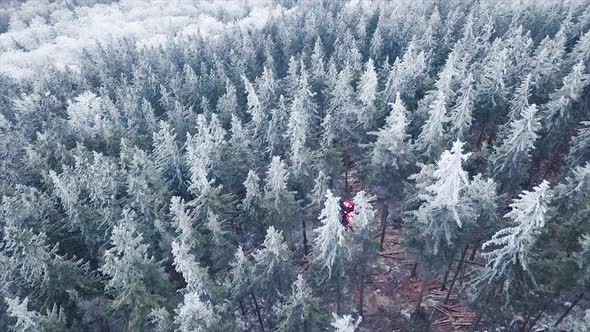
(182, 165)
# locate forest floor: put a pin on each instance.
(391, 293)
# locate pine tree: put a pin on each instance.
(253, 192)
(196, 312)
(195, 315)
(277, 128)
(570, 194)
(450, 181)
(345, 323)
(367, 94)
(331, 249)
(509, 249)
(239, 156)
(203, 153)
(279, 201)
(298, 311)
(520, 101)
(557, 111)
(25, 320)
(392, 149)
(583, 260)
(461, 116)
(364, 251)
(30, 320)
(510, 159)
(431, 140)
(376, 47)
(317, 193)
(298, 128)
(227, 103)
(135, 278)
(406, 75)
(168, 158)
(256, 112)
(273, 266)
(579, 152)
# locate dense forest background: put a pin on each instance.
(178, 165)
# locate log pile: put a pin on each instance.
(439, 296)
(455, 315)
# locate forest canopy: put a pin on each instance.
(182, 165)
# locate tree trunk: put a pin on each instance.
(414, 271)
(241, 303)
(383, 225)
(345, 174)
(305, 248)
(456, 274)
(362, 294)
(526, 323)
(425, 281)
(471, 258)
(339, 297)
(567, 311)
(446, 277)
(480, 312)
(257, 310)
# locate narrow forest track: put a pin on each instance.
(391, 292)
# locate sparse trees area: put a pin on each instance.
(192, 180)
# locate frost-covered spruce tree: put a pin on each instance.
(583, 260)
(364, 252)
(391, 150)
(407, 73)
(450, 182)
(219, 239)
(436, 213)
(258, 120)
(252, 202)
(240, 284)
(571, 195)
(316, 196)
(557, 111)
(239, 156)
(32, 267)
(297, 132)
(511, 158)
(520, 100)
(278, 200)
(145, 186)
(300, 310)
(183, 223)
(135, 279)
(431, 141)
(508, 252)
(367, 94)
(461, 116)
(166, 154)
(204, 154)
(31, 320)
(345, 323)
(253, 207)
(579, 152)
(227, 103)
(277, 127)
(331, 249)
(196, 312)
(273, 268)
